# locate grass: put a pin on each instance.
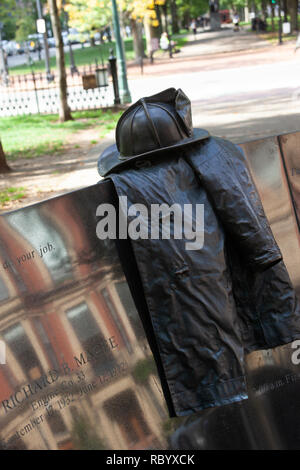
(11, 194)
(272, 36)
(88, 55)
(38, 135)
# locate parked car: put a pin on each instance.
(35, 41)
(65, 37)
(10, 47)
(51, 42)
(75, 36)
(20, 48)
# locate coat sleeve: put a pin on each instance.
(223, 171)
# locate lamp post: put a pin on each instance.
(122, 73)
(73, 67)
(42, 30)
(3, 63)
(280, 24)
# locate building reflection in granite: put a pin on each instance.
(290, 151)
(79, 373)
(267, 168)
(269, 419)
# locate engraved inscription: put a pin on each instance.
(30, 255)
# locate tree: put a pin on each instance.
(140, 12)
(188, 9)
(8, 17)
(25, 25)
(137, 34)
(64, 110)
(89, 16)
(4, 168)
(174, 15)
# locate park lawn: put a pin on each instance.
(38, 135)
(11, 194)
(89, 55)
(272, 36)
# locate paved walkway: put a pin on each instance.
(225, 40)
(206, 44)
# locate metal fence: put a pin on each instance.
(33, 93)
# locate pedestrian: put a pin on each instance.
(164, 42)
(193, 27)
(214, 282)
(236, 22)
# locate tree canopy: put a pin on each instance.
(88, 16)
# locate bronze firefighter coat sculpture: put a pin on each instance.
(211, 305)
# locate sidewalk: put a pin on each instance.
(221, 44)
(223, 41)
(75, 169)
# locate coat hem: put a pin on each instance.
(222, 393)
(276, 343)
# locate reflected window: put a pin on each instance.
(56, 423)
(45, 340)
(17, 278)
(126, 411)
(117, 319)
(4, 294)
(129, 306)
(22, 349)
(88, 332)
(43, 235)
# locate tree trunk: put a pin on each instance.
(296, 14)
(254, 7)
(4, 168)
(175, 26)
(158, 15)
(137, 34)
(186, 19)
(293, 9)
(285, 11)
(165, 12)
(264, 9)
(64, 110)
(150, 32)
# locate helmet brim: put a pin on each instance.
(111, 161)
